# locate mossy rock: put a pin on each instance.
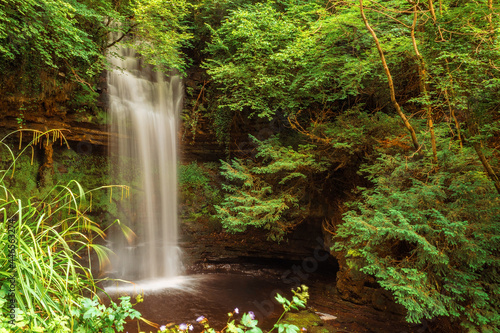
(309, 320)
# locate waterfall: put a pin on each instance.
(143, 111)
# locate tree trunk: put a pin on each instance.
(487, 166)
(389, 79)
(474, 130)
(47, 168)
(423, 84)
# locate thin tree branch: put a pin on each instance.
(78, 78)
(473, 126)
(122, 36)
(487, 166)
(389, 78)
(389, 16)
(423, 84)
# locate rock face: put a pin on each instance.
(203, 147)
(209, 248)
(353, 285)
(53, 106)
(73, 128)
(359, 288)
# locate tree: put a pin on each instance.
(431, 238)
(254, 58)
(54, 51)
(160, 33)
(427, 225)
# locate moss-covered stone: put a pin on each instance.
(309, 320)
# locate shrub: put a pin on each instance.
(430, 235)
(197, 190)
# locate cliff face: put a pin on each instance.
(85, 126)
(53, 104)
(203, 147)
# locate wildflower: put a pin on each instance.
(191, 327)
(251, 314)
(162, 328)
(183, 327)
(236, 310)
(200, 319)
(303, 329)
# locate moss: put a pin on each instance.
(91, 171)
(26, 182)
(199, 192)
(309, 320)
(21, 177)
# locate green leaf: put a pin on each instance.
(247, 321)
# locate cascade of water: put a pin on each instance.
(143, 108)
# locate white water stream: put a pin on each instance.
(144, 106)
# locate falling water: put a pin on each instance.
(144, 107)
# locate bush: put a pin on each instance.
(430, 235)
(40, 275)
(197, 190)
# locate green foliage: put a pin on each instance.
(250, 62)
(23, 179)
(430, 236)
(88, 315)
(427, 231)
(299, 300)
(248, 59)
(49, 29)
(39, 253)
(209, 13)
(192, 175)
(53, 49)
(52, 53)
(268, 194)
(160, 33)
(95, 317)
(274, 191)
(198, 190)
(247, 322)
(68, 165)
(350, 135)
(277, 58)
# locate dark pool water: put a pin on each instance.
(213, 296)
